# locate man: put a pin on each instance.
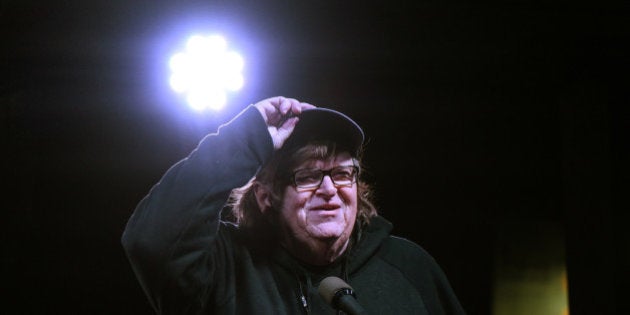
(290, 173)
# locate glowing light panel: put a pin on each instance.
(206, 71)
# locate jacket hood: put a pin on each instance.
(366, 243)
(370, 239)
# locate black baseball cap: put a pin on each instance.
(326, 124)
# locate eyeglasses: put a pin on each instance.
(311, 178)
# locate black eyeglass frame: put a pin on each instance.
(355, 176)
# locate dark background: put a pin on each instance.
(480, 116)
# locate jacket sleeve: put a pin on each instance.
(172, 237)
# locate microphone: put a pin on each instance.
(338, 294)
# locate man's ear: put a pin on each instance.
(263, 197)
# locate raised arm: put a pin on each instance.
(170, 237)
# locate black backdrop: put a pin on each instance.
(478, 115)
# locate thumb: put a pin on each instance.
(283, 132)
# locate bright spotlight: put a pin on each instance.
(206, 71)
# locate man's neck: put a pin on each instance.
(317, 253)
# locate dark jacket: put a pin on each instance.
(189, 261)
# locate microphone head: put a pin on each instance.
(330, 286)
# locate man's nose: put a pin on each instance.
(327, 185)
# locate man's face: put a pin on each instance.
(325, 213)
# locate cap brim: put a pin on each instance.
(320, 123)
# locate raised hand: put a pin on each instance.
(281, 115)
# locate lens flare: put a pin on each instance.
(206, 71)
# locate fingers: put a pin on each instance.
(268, 109)
(276, 110)
(285, 105)
(281, 115)
(290, 106)
(296, 110)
